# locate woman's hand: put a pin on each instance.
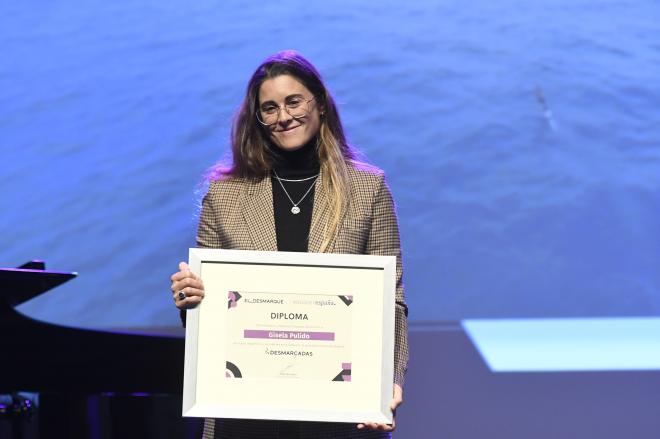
(397, 400)
(187, 288)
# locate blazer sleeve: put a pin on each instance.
(207, 235)
(207, 232)
(384, 240)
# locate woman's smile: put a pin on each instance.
(288, 131)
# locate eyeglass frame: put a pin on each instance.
(279, 112)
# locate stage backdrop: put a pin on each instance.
(520, 140)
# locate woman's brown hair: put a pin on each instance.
(251, 157)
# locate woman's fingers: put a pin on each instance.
(184, 272)
(187, 288)
(188, 297)
(375, 426)
(185, 278)
(185, 283)
(188, 292)
(397, 398)
(192, 298)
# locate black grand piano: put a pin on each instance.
(84, 383)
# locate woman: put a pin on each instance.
(295, 185)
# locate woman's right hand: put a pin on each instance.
(187, 288)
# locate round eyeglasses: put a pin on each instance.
(297, 107)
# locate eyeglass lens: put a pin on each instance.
(270, 113)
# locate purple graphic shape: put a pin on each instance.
(346, 366)
(233, 297)
(289, 335)
(346, 377)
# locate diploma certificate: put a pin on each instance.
(294, 336)
(289, 335)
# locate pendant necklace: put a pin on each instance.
(295, 209)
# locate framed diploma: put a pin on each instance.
(291, 336)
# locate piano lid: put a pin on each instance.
(39, 356)
(29, 281)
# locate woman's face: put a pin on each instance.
(287, 93)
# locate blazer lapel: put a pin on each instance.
(258, 214)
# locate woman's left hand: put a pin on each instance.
(397, 399)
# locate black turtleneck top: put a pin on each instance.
(292, 230)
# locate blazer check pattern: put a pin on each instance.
(238, 214)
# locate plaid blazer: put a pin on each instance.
(238, 214)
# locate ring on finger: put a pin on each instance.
(181, 295)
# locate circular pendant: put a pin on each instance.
(295, 210)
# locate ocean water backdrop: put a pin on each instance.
(521, 141)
